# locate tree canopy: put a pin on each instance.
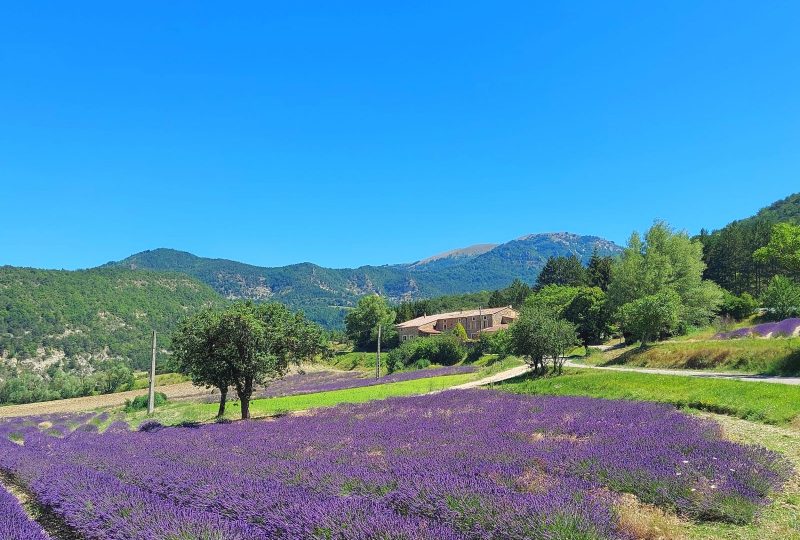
(783, 248)
(538, 335)
(362, 322)
(665, 261)
(244, 345)
(562, 270)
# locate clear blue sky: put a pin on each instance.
(381, 132)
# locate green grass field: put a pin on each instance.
(760, 402)
(175, 413)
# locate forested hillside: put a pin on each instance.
(324, 294)
(50, 315)
(728, 252)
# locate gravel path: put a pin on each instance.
(497, 377)
(695, 373)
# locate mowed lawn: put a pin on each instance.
(769, 403)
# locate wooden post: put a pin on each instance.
(378, 362)
(151, 398)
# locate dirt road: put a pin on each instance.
(73, 405)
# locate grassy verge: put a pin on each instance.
(142, 379)
(176, 413)
(780, 356)
(761, 402)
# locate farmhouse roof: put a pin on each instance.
(428, 319)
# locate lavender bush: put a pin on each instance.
(15, 523)
(470, 464)
(784, 328)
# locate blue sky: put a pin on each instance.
(349, 133)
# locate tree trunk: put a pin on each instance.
(245, 392)
(245, 408)
(223, 396)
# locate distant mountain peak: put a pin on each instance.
(460, 253)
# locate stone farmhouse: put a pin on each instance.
(474, 321)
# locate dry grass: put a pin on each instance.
(646, 522)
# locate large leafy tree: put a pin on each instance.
(552, 298)
(665, 261)
(587, 311)
(363, 321)
(243, 346)
(782, 298)
(562, 271)
(652, 316)
(783, 248)
(538, 335)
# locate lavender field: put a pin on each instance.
(455, 465)
(784, 328)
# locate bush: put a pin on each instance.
(445, 350)
(139, 403)
(782, 298)
(737, 307)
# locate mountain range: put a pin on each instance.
(325, 293)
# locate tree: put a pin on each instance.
(537, 335)
(782, 298)
(114, 375)
(665, 261)
(363, 321)
(598, 271)
(197, 352)
(460, 332)
(587, 311)
(562, 271)
(562, 338)
(650, 317)
(244, 345)
(783, 248)
(552, 298)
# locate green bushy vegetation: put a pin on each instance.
(444, 349)
(757, 401)
(108, 312)
(22, 384)
(139, 403)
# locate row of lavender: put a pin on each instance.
(14, 522)
(326, 381)
(455, 465)
(784, 328)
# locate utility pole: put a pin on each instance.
(378, 362)
(151, 398)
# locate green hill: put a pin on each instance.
(325, 294)
(89, 315)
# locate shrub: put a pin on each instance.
(737, 307)
(444, 349)
(139, 403)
